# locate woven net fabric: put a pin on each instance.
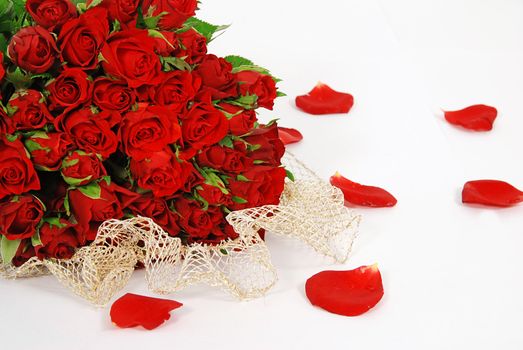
(310, 210)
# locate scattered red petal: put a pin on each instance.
(133, 310)
(367, 196)
(477, 117)
(348, 293)
(324, 100)
(288, 135)
(491, 192)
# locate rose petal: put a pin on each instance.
(477, 117)
(289, 135)
(324, 100)
(133, 310)
(348, 293)
(367, 196)
(491, 192)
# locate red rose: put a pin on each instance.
(91, 132)
(28, 110)
(268, 147)
(113, 95)
(97, 203)
(69, 90)
(261, 85)
(214, 195)
(240, 121)
(80, 39)
(161, 172)
(264, 187)
(173, 13)
(19, 217)
(48, 149)
(177, 89)
(193, 219)
(203, 125)
(217, 77)
(193, 46)
(193, 179)
(17, 174)
(165, 46)
(33, 49)
(123, 11)
(58, 238)
(2, 69)
(130, 55)
(54, 193)
(25, 252)
(158, 210)
(225, 159)
(51, 13)
(6, 123)
(148, 130)
(80, 168)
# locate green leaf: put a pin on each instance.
(281, 94)
(258, 162)
(94, 3)
(253, 68)
(75, 182)
(242, 178)
(152, 22)
(290, 175)
(66, 163)
(34, 146)
(67, 205)
(204, 28)
(8, 249)
(239, 200)
(19, 79)
(54, 222)
(247, 102)
(226, 142)
(224, 251)
(35, 240)
(169, 63)
(91, 190)
(238, 61)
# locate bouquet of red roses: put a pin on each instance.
(113, 109)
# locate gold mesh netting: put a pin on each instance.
(310, 209)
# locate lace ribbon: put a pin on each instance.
(310, 210)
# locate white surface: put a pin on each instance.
(452, 274)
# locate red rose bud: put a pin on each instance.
(80, 168)
(477, 117)
(48, 149)
(123, 11)
(266, 145)
(20, 215)
(347, 293)
(193, 46)
(491, 192)
(240, 121)
(33, 49)
(160, 173)
(289, 135)
(91, 132)
(17, 174)
(203, 125)
(93, 204)
(58, 239)
(213, 195)
(260, 185)
(24, 252)
(225, 159)
(217, 77)
(324, 100)
(80, 39)
(149, 129)
(113, 95)
(173, 13)
(130, 55)
(193, 219)
(28, 110)
(166, 44)
(133, 310)
(157, 209)
(69, 90)
(177, 89)
(51, 14)
(2, 69)
(261, 85)
(6, 123)
(367, 196)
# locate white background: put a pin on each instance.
(452, 273)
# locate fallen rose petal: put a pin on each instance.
(367, 196)
(324, 100)
(491, 192)
(348, 293)
(133, 310)
(289, 135)
(477, 117)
